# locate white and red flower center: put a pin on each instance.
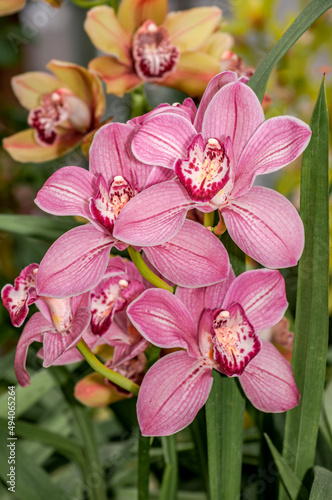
(234, 340)
(106, 300)
(206, 170)
(109, 201)
(154, 55)
(52, 111)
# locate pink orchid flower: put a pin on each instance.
(59, 325)
(181, 50)
(216, 160)
(216, 328)
(77, 261)
(63, 109)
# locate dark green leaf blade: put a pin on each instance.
(307, 17)
(311, 323)
(291, 482)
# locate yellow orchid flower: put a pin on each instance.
(144, 44)
(8, 7)
(63, 109)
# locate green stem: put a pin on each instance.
(111, 375)
(146, 272)
(143, 467)
(209, 219)
(88, 4)
(139, 102)
(170, 477)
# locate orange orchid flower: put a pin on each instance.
(63, 109)
(181, 50)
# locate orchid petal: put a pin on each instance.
(55, 344)
(214, 85)
(172, 393)
(106, 33)
(115, 266)
(234, 112)
(19, 297)
(266, 226)
(23, 147)
(119, 78)
(75, 263)
(164, 321)
(211, 297)
(123, 353)
(30, 87)
(133, 13)
(154, 215)
(262, 295)
(93, 391)
(111, 156)
(71, 356)
(33, 332)
(218, 43)
(67, 192)
(163, 139)
(158, 175)
(189, 29)
(193, 72)
(268, 381)
(275, 143)
(192, 258)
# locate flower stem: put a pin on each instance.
(87, 4)
(209, 219)
(146, 272)
(111, 375)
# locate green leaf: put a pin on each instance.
(66, 446)
(311, 323)
(170, 479)
(291, 482)
(41, 383)
(143, 467)
(307, 17)
(42, 228)
(32, 482)
(322, 485)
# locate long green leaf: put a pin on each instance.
(322, 485)
(307, 17)
(41, 383)
(143, 467)
(63, 445)
(92, 467)
(169, 485)
(42, 228)
(311, 323)
(32, 482)
(294, 487)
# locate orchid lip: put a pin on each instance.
(234, 340)
(205, 170)
(154, 55)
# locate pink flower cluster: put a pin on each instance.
(143, 178)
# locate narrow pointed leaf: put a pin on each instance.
(307, 17)
(311, 323)
(42, 228)
(294, 487)
(169, 484)
(143, 467)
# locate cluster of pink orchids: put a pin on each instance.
(144, 177)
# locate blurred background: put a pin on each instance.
(28, 41)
